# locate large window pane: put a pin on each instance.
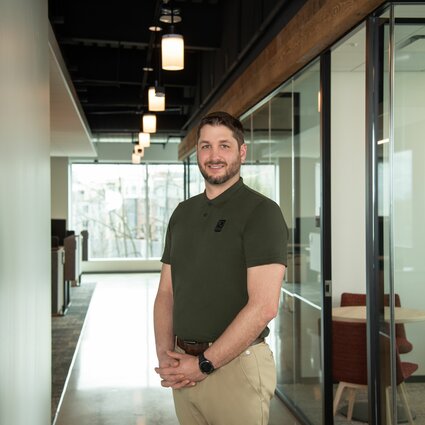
(125, 208)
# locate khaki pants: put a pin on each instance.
(238, 393)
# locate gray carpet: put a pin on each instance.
(66, 331)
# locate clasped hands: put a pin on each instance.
(179, 370)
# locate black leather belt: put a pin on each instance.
(195, 348)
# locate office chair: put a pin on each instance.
(349, 366)
(353, 299)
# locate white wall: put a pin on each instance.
(25, 341)
(348, 183)
(59, 187)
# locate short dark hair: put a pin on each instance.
(223, 118)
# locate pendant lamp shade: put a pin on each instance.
(172, 49)
(144, 139)
(135, 159)
(156, 99)
(149, 123)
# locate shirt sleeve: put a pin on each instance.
(166, 255)
(265, 237)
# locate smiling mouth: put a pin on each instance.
(216, 166)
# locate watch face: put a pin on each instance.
(206, 366)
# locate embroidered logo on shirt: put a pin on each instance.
(219, 226)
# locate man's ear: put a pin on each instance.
(242, 152)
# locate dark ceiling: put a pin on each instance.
(106, 45)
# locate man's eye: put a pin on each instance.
(205, 146)
(225, 146)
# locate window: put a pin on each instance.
(125, 208)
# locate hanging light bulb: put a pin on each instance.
(172, 49)
(144, 139)
(156, 98)
(135, 159)
(149, 123)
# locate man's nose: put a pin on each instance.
(215, 153)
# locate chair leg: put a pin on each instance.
(388, 405)
(403, 396)
(338, 396)
(351, 398)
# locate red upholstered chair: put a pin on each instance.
(403, 344)
(349, 361)
(349, 365)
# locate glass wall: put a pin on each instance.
(300, 362)
(348, 190)
(401, 202)
(124, 207)
(285, 131)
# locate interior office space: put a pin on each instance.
(331, 104)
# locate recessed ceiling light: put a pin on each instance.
(147, 69)
(155, 28)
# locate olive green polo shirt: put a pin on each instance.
(209, 245)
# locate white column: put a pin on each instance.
(25, 335)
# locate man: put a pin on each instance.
(223, 265)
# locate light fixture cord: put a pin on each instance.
(159, 64)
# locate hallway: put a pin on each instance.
(113, 379)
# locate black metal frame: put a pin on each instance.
(326, 235)
(373, 76)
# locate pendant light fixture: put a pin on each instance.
(172, 48)
(149, 123)
(135, 159)
(172, 44)
(156, 98)
(144, 139)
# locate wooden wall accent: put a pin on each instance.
(317, 26)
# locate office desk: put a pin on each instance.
(358, 314)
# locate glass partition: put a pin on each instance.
(284, 131)
(301, 378)
(348, 78)
(401, 177)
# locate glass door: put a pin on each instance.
(401, 201)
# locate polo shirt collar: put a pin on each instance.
(226, 195)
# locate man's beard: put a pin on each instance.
(231, 172)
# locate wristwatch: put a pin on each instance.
(205, 365)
